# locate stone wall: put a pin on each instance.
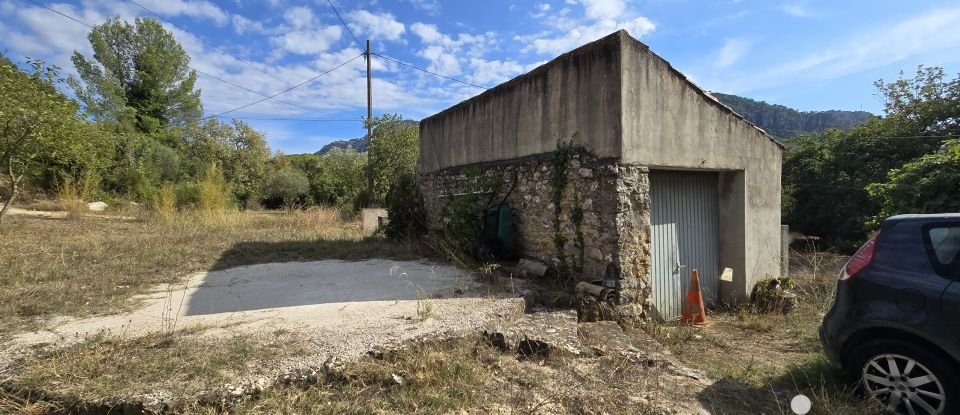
(612, 238)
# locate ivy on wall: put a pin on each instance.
(566, 151)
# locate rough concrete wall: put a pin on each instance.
(573, 97)
(669, 123)
(614, 200)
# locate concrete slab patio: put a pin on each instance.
(340, 309)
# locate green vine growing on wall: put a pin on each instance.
(561, 159)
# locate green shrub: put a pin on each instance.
(774, 295)
(288, 185)
(404, 205)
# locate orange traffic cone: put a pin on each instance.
(693, 309)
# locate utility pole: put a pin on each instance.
(369, 125)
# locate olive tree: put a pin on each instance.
(36, 122)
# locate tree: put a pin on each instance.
(926, 185)
(36, 123)
(826, 176)
(337, 177)
(394, 149)
(288, 185)
(927, 104)
(240, 151)
(139, 77)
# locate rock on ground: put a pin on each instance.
(97, 206)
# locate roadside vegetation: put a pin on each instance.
(141, 137)
(840, 185)
(762, 360)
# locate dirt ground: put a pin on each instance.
(250, 335)
(340, 310)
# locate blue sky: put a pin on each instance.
(810, 55)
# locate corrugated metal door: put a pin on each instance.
(685, 236)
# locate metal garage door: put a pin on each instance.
(685, 236)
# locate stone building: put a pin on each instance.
(617, 166)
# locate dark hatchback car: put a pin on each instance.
(895, 323)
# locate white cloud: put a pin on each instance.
(493, 72)
(441, 61)
(303, 34)
(305, 42)
(203, 9)
(428, 33)
(604, 9)
(299, 17)
(600, 18)
(541, 10)
(931, 35)
(429, 6)
(583, 34)
(382, 25)
(244, 25)
(733, 50)
(796, 10)
(314, 42)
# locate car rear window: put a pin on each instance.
(943, 247)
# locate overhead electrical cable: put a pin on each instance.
(266, 97)
(429, 72)
(62, 14)
(355, 39)
(285, 90)
(300, 119)
(244, 61)
(253, 91)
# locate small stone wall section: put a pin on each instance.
(613, 197)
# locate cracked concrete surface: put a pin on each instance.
(342, 309)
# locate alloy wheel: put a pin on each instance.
(903, 385)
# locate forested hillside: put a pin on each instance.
(784, 122)
(358, 144)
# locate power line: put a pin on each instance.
(345, 24)
(245, 62)
(255, 92)
(229, 83)
(429, 72)
(286, 90)
(299, 119)
(62, 14)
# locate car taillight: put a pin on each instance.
(860, 260)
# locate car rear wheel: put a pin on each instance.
(905, 378)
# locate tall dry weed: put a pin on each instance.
(214, 193)
(72, 196)
(165, 204)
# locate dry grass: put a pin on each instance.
(467, 376)
(109, 369)
(763, 360)
(93, 265)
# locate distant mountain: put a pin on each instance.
(359, 144)
(780, 121)
(783, 122)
